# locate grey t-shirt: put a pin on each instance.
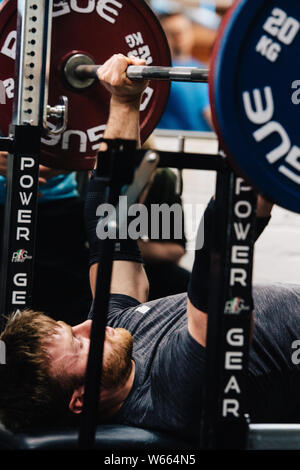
(166, 390)
(170, 364)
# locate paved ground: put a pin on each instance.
(277, 252)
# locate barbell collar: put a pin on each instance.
(60, 112)
(140, 72)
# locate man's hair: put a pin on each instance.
(29, 394)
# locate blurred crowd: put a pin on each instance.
(191, 28)
(204, 16)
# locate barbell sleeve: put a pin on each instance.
(138, 72)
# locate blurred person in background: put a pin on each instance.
(187, 109)
(61, 275)
(188, 106)
(162, 254)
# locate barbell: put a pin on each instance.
(253, 67)
(81, 76)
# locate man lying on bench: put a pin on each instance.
(154, 353)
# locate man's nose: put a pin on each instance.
(83, 329)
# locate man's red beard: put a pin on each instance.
(117, 365)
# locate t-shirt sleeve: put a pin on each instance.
(118, 303)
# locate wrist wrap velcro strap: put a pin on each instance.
(125, 250)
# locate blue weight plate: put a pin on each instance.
(254, 90)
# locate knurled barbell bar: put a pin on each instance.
(80, 72)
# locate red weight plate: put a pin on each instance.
(99, 29)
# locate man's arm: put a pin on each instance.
(128, 278)
(199, 285)
(157, 252)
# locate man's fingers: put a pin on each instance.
(113, 71)
(136, 60)
(117, 61)
(112, 75)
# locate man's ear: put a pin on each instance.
(76, 402)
